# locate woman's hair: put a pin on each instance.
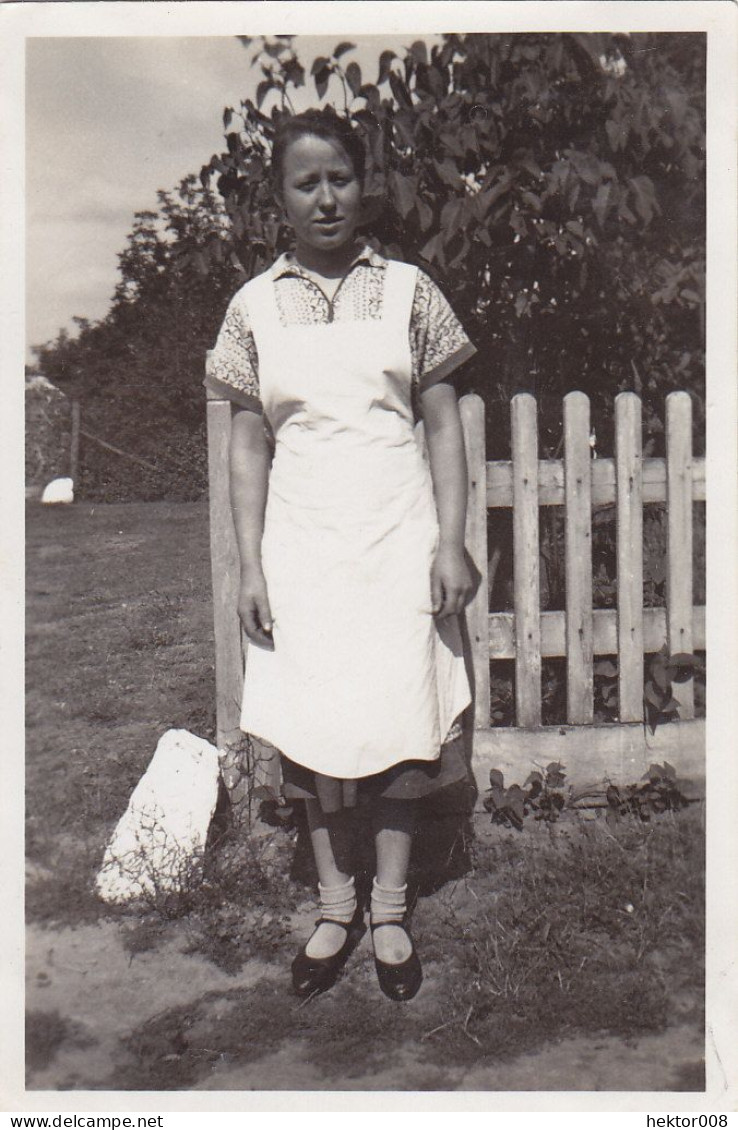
(323, 123)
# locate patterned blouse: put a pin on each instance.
(438, 343)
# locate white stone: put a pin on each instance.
(158, 843)
(58, 490)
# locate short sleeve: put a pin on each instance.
(233, 364)
(438, 342)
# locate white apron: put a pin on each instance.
(362, 676)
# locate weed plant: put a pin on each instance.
(574, 928)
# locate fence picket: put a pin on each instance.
(477, 612)
(679, 536)
(226, 572)
(526, 580)
(629, 502)
(578, 480)
(527, 634)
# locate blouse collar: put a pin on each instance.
(287, 264)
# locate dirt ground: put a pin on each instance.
(120, 648)
(104, 996)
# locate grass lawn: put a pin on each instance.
(565, 957)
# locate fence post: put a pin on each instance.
(226, 573)
(679, 535)
(526, 577)
(477, 612)
(578, 516)
(629, 501)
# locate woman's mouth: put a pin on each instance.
(333, 222)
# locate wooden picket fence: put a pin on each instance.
(527, 635)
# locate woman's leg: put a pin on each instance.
(394, 824)
(331, 838)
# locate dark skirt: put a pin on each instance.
(408, 780)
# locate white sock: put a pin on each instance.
(388, 908)
(388, 903)
(339, 905)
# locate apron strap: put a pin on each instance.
(262, 305)
(399, 293)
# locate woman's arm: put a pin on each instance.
(250, 459)
(451, 582)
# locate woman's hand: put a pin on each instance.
(253, 607)
(451, 582)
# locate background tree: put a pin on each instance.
(552, 183)
(139, 370)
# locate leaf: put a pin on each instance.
(496, 798)
(321, 64)
(400, 90)
(433, 250)
(262, 90)
(644, 197)
(684, 664)
(452, 213)
(496, 778)
(385, 62)
(321, 82)
(660, 674)
(518, 224)
(342, 49)
(517, 809)
(653, 696)
(606, 669)
(404, 192)
(419, 52)
(601, 202)
(425, 213)
(294, 72)
(227, 116)
(353, 78)
(533, 202)
(448, 172)
(521, 305)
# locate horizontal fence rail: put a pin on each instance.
(579, 483)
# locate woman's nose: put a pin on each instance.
(326, 199)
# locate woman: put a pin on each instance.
(352, 575)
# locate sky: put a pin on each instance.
(109, 121)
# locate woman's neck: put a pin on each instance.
(331, 264)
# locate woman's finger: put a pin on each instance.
(254, 628)
(436, 594)
(264, 612)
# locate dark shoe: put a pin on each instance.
(399, 982)
(313, 975)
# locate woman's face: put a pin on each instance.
(320, 192)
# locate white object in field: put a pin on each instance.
(158, 843)
(58, 490)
